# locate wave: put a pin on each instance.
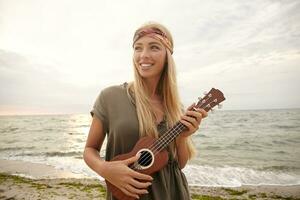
(225, 176)
(281, 152)
(64, 154)
(286, 127)
(54, 154)
(237, 176)
(280, 168)
(9, 130)
(15, 148)
(212, 148)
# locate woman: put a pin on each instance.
(148, 106)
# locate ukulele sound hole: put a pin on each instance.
(146, 158)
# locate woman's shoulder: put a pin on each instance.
(114, 90)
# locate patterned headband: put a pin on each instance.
(156, 34)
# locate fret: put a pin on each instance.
(170, 135)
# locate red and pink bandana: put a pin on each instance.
(156, 34)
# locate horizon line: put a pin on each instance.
(80, 113)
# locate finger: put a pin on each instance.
(191, 106)
(139, 184)
(191, 120)
(195, 114)
(125, 191)
(188, 125)
(141, 176)
(131, 159)
(202, 111)
(133, 190)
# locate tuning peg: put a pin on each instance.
(220, 106)
(205, 93)
(199, 98)
(212, 111)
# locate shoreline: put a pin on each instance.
(35, 170)
(25, 180)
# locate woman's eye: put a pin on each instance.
(155, 47)
(137, 48)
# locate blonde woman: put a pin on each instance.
(148, 106)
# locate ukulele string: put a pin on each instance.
(153, 145)
(160, 145)
(156, 145)
(182, 125)
(158, 148)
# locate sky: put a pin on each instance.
(57, 55)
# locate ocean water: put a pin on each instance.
(253, 147)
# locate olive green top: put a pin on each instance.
(117, 112)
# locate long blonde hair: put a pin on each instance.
(167, 89)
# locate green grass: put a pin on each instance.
(263, 195)
(235, 192)
(88, 188)
(101, 191)
(85, 187)
(252, 196)
(17, 179)
(283, 198)
(205, 197)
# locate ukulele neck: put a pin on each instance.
(170, 135)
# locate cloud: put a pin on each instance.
(27, 83)
(56, 51)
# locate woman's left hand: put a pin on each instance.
(192, 119)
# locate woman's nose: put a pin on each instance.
(144, 53)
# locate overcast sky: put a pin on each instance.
(57, 55)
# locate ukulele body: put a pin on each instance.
(151, 160)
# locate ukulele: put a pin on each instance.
(153, 153)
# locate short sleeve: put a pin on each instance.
(100, 111)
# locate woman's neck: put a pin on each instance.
(152, 84)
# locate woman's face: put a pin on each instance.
(149, 57)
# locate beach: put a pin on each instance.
(26, 180)
(41, 157)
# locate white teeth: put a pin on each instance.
(146, 65)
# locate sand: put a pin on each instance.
(46, 182)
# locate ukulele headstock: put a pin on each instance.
(210, 100)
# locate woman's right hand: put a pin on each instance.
(127, 180)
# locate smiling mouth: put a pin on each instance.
(146, 66)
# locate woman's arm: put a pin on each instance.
(116, 172)
(182, 151)
(93, 146)
(191, 120)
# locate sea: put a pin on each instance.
(234, 148)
